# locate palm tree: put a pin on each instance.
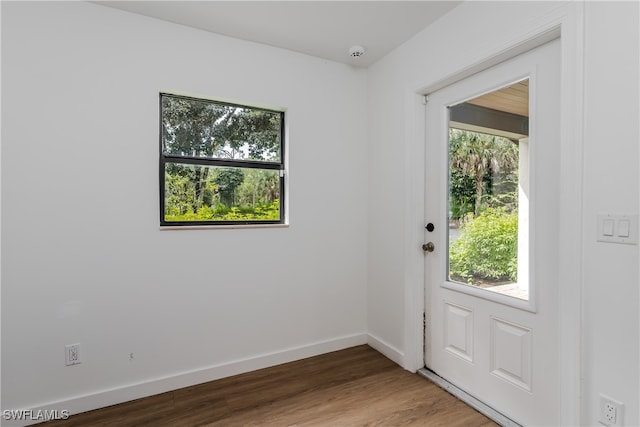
(475, 153)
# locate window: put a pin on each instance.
(220, 163)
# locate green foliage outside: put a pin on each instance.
(228, 194)
(227, 180)
(462, 192)
(487, 248)
(478, 163)
(483, 203)
(270, 211)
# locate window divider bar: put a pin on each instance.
(168, 158)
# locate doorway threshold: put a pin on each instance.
(479, 406)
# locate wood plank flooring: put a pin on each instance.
(353, 387)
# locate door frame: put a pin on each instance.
(567, 23)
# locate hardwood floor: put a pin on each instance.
(353, 387)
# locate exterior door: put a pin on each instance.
(492, 197)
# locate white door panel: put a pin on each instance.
(500, 348)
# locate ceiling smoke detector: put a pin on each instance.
(356, 51)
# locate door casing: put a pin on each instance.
(567, 21)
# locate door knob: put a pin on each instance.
(428, 247)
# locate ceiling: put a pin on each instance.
(325, 29)
(513, 99)
(503, 112)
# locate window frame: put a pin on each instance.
(165, 159)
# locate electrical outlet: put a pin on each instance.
(72, 354)
(611, 411)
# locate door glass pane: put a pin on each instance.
(488, 192)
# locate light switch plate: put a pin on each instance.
(617, 228)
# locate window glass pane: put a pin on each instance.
(206, 129)
(484, 212)
(211, 193)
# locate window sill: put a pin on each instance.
(218, 227)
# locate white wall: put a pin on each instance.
(83, 257)
(612, 137)
(610, 183)
(84, 261)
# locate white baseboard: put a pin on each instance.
(129, 392)
(387, 349)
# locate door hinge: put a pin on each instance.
(424, 333)
(425, 99)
